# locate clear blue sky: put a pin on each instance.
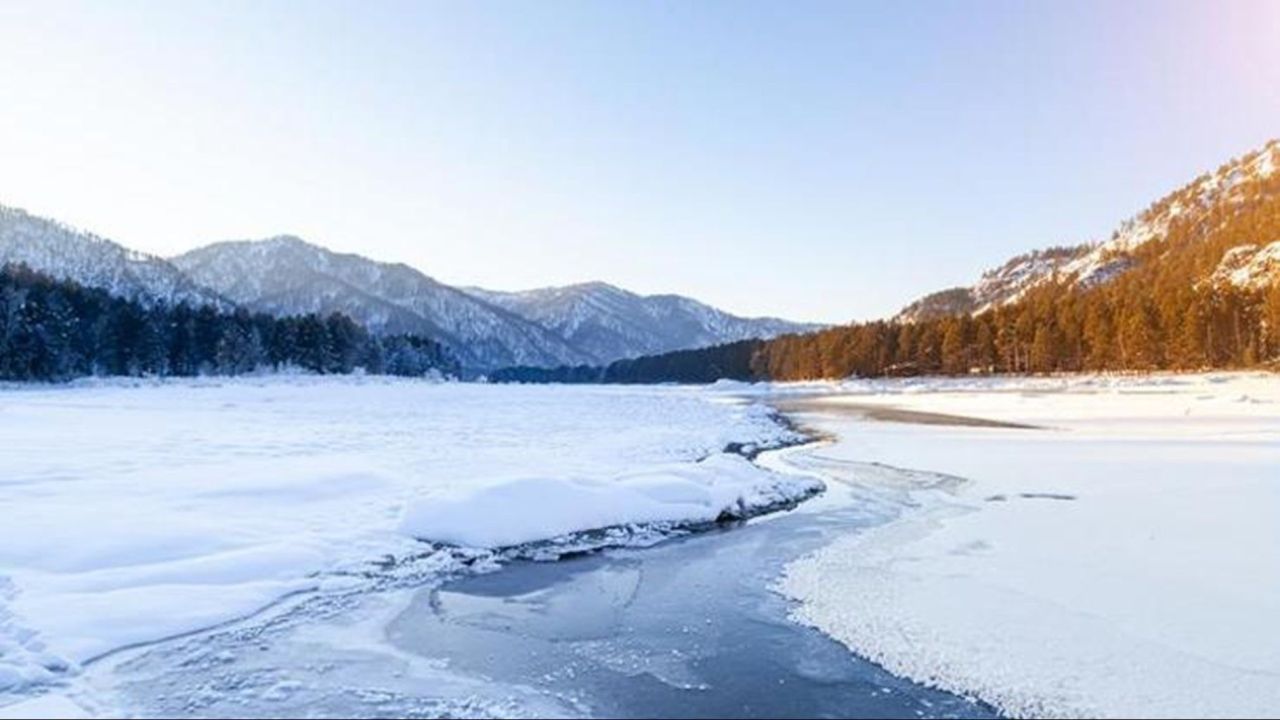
(825, 161)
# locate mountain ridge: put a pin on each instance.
(613, 323)
(67, 253)
(1087, 265)
(586, 323)
(285, 275)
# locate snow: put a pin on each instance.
(1119, 558)
(1249, 266)
(1123, 560)
(44, 706)
(137, 511)
(530, 509)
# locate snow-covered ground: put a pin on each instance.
(1122, 561)
(138, 511)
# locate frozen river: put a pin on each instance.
(689, 627)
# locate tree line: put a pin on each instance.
(58, 330)
(1054, 328)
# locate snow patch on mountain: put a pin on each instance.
(1249, 266)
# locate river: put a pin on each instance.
(688, 627)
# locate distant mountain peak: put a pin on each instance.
(612, 323)
(288, 275)
(588, 323)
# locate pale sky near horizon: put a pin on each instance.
(812, 160)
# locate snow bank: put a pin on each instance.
(138, 511)
(1124, 562)
(531, 509)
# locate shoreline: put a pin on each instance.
(891, 413)
(1052, 608)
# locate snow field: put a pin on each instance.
(138, 511)
(1123, 561)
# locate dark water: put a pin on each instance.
(689, 628)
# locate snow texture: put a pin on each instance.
(721, 486)
(1121, 561)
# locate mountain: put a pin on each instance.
(285, 275)
(1196, 231)
(68, 254)
(590, 324)
(996, 287)
(610, 323)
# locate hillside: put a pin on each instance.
(610, 323)
(69, 254)
(285, 275)
(1190, 233)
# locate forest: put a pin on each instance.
(58, 330)
(1053, 328)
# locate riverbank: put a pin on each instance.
(686, 628)
(1123, 562)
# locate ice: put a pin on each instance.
(136, 511)
(1124, 560)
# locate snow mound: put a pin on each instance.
(527, 510)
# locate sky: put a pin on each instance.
(811, 160)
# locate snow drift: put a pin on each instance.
(530, 509)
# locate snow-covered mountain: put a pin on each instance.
(285, 275)
(998, 286)
(69, 254)
(611, 323)
(1192, 220)
(588, 324)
